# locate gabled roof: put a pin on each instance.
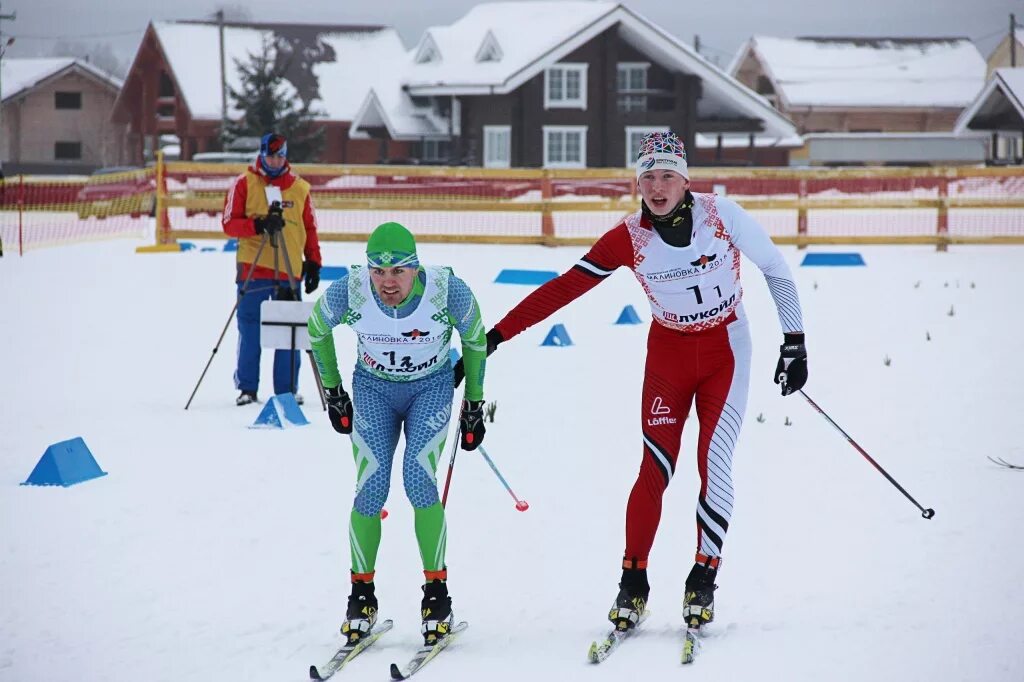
(22, 75)
(535, 34)
(999, 106)
(329, 62)
(525, 30)
(868, 72)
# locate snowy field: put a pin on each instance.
(215, 551)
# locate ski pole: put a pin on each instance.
(521, 505)
(926, 513)
(451, 468)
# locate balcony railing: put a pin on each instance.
(645, 100)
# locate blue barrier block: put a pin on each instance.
(231, 245)
(558, 336)
(628, 316)
(65, 463)
(208, 248)
(333, 273)
(530, 277)
(833, 259)
(186, 246)
(279, 412)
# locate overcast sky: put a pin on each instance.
(723, 25)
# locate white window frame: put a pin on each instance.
(497, 163)
(630, 93)
(560, 70)
(643, 130)
(565, 130)
(629, 66)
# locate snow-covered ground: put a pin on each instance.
(212, 550)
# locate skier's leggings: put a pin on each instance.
(380, 409)
(712, 366)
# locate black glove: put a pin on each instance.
(791, 372)
(471, 424)
(339, 409)
(494, 337)
(272, 223)
(311, 271)
(286, 293)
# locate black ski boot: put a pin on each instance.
(246, 398)
(631, 602)
(436, 611)
(362, 612)
(699, 599)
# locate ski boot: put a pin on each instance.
(631, 602)
(436, 611)
(246, 398)
(699, 597)
(362, 612)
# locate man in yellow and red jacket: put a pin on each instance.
(249, 217)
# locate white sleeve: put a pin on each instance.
(753, 242)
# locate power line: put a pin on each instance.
(22, 36)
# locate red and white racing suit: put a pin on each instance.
(698, 347)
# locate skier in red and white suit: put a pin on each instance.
(684, 248)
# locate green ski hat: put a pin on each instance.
(391, 245)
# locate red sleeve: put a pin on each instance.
(312, 250)
(233, 219)
(611, 251)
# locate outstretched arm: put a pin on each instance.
(611, 251)
(328, 313)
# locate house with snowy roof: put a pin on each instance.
(56, 116)
(173, 87)
(868, 99)
(998, 113)
(568, 84)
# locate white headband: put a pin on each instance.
(662, 161)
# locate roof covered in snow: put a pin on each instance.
(496, 47)
(21, 75)
(999, 106)
(524, 32)
(331, 66)
(868, 72)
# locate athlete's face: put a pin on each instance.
(392, 284)
(662, 190)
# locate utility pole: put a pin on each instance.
(223, 84)
(4, 44)
(696, 43)
(1013, 41)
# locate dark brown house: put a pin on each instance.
(565, 85)
(174, 85)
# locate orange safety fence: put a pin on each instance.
(179, 200)
(797, 206)
(41, 211)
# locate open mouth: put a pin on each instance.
(659, 202)
(389, 291)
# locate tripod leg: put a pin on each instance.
(238, 299)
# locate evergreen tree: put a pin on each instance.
(270, 104)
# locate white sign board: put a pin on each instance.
(278, 319)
